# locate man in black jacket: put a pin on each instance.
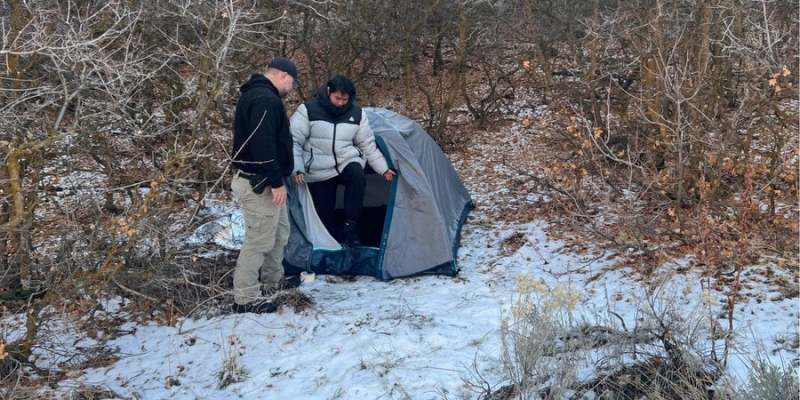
(262, 160)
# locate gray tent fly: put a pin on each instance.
(409, 226)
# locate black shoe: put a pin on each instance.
(286, 283)
(351, 238)
(289, 282)
(258, 307)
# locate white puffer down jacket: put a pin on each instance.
(324, 144)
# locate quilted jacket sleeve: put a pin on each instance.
(365, 140)
(301, 130)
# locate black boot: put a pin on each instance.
(351, 238)
(288, 282)
(258, 307)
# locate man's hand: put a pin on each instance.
(299, 178)
(389, 174)
(279, 195)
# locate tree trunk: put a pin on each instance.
(539, 54)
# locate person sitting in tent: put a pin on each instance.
(332, 144)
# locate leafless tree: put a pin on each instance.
(683, 107)
(129, 98)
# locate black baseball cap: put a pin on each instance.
(286, 65)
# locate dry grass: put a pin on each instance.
(294, 299)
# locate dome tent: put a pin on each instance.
(409, 226)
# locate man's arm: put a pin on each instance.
(365, 140)
(301, 130)
(264, 117)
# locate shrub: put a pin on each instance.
(769, 381)
(537, 358)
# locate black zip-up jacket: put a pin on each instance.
(262, 141)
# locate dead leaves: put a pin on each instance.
(779, 78)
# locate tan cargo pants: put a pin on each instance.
(265, 235)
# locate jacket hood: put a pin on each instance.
(325, 102)
(258, 81)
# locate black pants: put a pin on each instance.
(324, 195)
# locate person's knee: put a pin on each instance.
(353, 173)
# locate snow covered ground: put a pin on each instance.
(426, 337)
(418, 338)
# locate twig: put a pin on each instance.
(131, 291)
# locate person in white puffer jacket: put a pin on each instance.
(332, 144)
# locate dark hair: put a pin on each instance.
(340, 83)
